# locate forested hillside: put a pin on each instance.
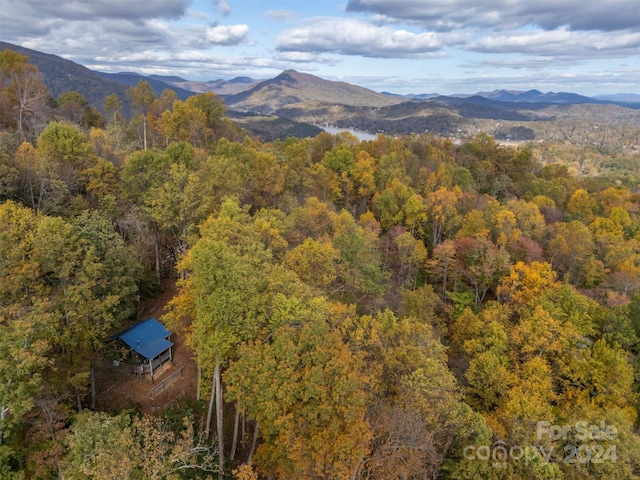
(403, 308)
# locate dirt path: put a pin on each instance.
(119, 388)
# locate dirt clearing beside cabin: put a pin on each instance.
(120, 388)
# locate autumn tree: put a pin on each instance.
(24, 95)
(198, 120)
(388, 204)
(77, 283)
(112, 107)
(64, 153)
(569, 247)
(216, 124)
(359, 266)
(143, 177)
(315, 262)
(141, 97)
(480, 264)
(363, 181)
(473, 224)
(234, 293)
(182, 123)
(101, 445)
(314, 219)
(26, 320)
(526, 283)
(415, 406)
(92, 284)
(596, 388)
(304, 389)
(176, 206)
(581, 206)
(443, 216)
(74, 108)
(412, 259)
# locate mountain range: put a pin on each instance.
(298, 97)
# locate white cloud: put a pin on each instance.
(353, 37)
(227, 34)
(600, 15)
(561, 42)
(100, 9)
(36, 19)
(108, 36)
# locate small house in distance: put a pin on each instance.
(148, 345)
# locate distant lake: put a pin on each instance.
(362, 136)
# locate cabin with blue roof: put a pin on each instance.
(148, 345)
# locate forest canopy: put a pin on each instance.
(405, 307)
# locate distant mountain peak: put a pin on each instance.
(287, 75)
(241, 80)
(293, 76)
(291, 87)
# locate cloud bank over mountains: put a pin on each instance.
(382, 43)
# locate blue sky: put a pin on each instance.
(455, 46)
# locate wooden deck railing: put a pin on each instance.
(161, 359)
(166, 382)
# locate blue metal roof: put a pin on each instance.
(147, 338)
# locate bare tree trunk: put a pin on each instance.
(234, 443)
(144, 130)
(20, 121)
(219, 424)
(3, 414)
(199, 382)
(244, 422)
(253, 445)
(445, 276)
(207, 426)
(356, 471)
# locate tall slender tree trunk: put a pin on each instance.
(207, 426)
(219, 425)
(234, 443)
(3, 414)
(253, 445)
(445, 276)
(20, 120)
(356, 471)
(198, 385)
(144, 130)
(244, 421)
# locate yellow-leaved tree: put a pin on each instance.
(304, 389)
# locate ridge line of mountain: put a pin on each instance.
(301, 101)
(238, 90)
